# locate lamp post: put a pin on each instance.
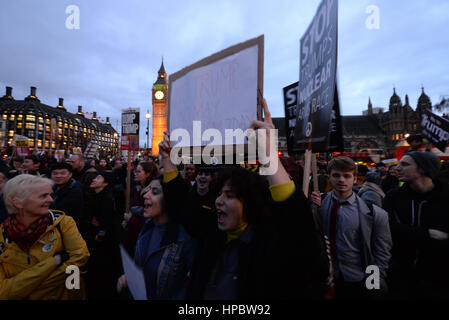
(148, 116)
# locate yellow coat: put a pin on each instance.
(35, 276)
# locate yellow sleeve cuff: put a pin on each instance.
(283, 191)
(169, 176)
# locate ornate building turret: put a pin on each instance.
(395, 102)
(370, 107)
(423, 103)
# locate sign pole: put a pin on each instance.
(128, 182)
(306, 176)
(314, 173)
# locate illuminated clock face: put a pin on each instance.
(159, 95)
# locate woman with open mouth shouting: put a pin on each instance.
(260, 243)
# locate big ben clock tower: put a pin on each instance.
(160, 109)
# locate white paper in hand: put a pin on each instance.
(134, 277)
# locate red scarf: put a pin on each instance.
(25, 237)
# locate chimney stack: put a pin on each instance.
(61, 104)
(107, 120)
(8, 94)
(94, 117)
(80, 111)
(32, 96)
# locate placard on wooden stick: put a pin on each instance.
(221, 91)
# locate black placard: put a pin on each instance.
(435, 128)
(318, 65)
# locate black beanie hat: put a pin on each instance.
(428, 162)
(108, 177)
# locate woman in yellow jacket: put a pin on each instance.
(38, 245)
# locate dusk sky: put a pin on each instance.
(111, 62)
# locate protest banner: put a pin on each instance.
(3, 136)
(23, 151)
(130, 129)
(91, 149)
(59, 154)
(290, 108)
(220, 92)
(134, 276)
(435, 129)
(318, 108)
(130, 142)
(336, 128)
(318, 65)
(77, 150)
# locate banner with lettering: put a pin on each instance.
(317, 78)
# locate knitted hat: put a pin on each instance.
(108, 177)
(428, 162)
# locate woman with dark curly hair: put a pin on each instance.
(260, 243)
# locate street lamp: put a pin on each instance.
(148, 116)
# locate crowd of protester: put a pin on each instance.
(224, 232)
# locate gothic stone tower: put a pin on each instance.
(160, 109)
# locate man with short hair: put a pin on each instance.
(79, 166)
(419, 220)
(190, 174)
(201, 193)
(68, 193)
(415, 141)
(31, 165)
(359, 236)
(382, 169)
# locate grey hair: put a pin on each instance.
(80, 156)
(20, 187)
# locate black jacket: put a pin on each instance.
(70, 200)
(416, 256)
(282, 258)
(101, 211)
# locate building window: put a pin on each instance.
(19, 125)
(12, 117)
(41, 127)
(39, 143)
(30, 125)
(31, 117)
(11, 133)
(47, 121)
(41, 120)
(60, 131)
(47, 144)
(5, 117)
(47, 128)
(20, 117)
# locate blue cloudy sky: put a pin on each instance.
(111, 62)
